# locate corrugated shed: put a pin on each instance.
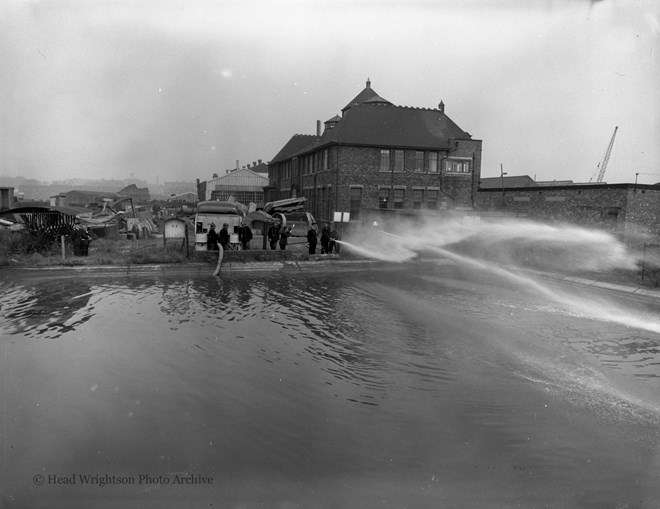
(239, 180)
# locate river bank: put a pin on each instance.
(120, 256)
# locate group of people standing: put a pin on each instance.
(222, 238)
(329, 236)
(277, 234)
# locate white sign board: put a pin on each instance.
(175, 229)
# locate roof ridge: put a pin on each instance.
(402, 106)
(417, 108)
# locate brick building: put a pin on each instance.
(377, 157)
(630, 211)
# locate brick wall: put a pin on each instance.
(360, 167)
(643, 212)
(623, 209)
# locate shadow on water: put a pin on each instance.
(332, 324)
(30, 310)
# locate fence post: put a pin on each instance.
(643, 259)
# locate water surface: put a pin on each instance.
(423, 387)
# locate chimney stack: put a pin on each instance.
(441, 106)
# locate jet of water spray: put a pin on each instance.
(526, 243)
(499, 247)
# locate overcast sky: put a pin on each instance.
(181, 89)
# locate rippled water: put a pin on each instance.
(416, 388)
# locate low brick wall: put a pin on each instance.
(631, 212)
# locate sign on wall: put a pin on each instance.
(342, 217)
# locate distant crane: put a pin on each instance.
(603, 164)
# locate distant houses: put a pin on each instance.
(77, 198)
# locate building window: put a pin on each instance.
(418, 198)
(384, 160)
(433, 162)
(398, 160)
(323, 202)
(325, 159)
(458, 166)
(355, 202)
(419, 160)
(432, 198)
(398, 198)
(383, 198)
(328, 203)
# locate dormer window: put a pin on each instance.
(330, 124)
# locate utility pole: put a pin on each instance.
(502, 173)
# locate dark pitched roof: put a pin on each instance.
(260, 168)
(367, 95)
(297, 144)
(394, 126)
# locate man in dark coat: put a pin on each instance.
(212, 239)
(274, 235)
(223, 236)
(80, 239)
(244, 235)
(325, 239)
(311, 238)
(284, 237)
(332, 245)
